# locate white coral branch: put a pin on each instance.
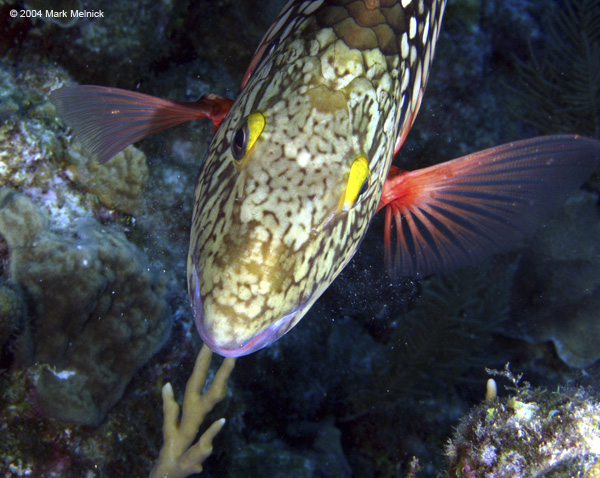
(178, 457)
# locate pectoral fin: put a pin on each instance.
(107, 120)
(449, 215)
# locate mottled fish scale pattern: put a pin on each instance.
(339, 80)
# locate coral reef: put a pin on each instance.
(38, 158)
(11, 311)
(533, 433)
(557, 295)
(28, 141)
(98, 313)
(118, 184)
(372, 377)
(126, 444)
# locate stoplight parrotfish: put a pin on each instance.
(301, 161)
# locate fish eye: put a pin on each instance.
(358, 182)
(246, 135)
(240, 137)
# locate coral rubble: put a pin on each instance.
(533, 433)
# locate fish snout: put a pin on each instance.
(228, 323)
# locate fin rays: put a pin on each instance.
(107, 120)
(458, 212)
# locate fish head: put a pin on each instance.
(295, 172)
(282, 203)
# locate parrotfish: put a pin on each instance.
(301, 161)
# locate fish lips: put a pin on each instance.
(260, 340)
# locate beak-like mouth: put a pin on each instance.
(235, 349)
(259, 341)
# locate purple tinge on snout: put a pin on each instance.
(260, 340)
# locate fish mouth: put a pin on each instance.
(259, 341)
(236, 349)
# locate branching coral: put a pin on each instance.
(179, 456)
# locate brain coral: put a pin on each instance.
(118, 184)
(98, 312)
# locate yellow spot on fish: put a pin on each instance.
(358, 181)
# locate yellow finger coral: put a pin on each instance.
(179, 456)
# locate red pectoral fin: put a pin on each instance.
(458, 212)
(107, 120)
